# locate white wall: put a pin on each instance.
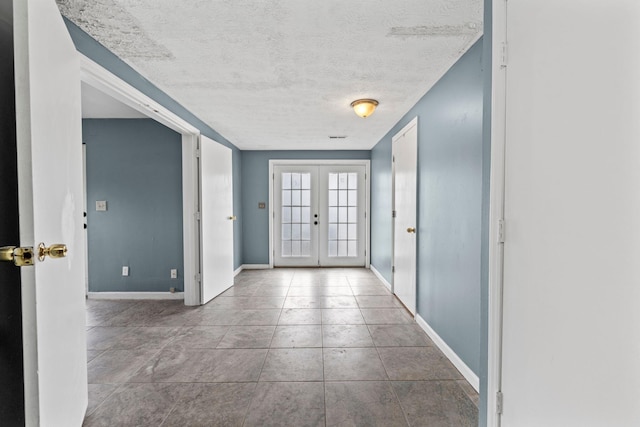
(572, 208)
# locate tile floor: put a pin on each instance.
(282, 347)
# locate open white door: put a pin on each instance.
(405, 164)
(48, 125)
(216, 211)
(571, 299)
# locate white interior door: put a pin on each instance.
(571, 325)
(48, 124)
(405, 163)
(342, 206)
(216, 213)
(296, 216)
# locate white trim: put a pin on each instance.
(466, 372)
(380, 276)
(136, 295)
(255, 266)
(238, 270)
(100, 78)
(496, 211)
(320, 162)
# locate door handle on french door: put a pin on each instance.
(411, 230)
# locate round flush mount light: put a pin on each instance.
(364, 107)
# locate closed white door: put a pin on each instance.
(319, 215)
(216, 212)
(48, 124)
(405, 163)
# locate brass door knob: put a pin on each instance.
(57, 250)
(411, 230)
(232, 218)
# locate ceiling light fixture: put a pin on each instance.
(364, 107)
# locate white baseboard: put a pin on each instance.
(466, 372)
(135, 295)
(238, 270)
(379, 276)
(256, 266)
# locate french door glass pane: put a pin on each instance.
(296, 214)
(343, 219)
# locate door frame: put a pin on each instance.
(324, 162)
(98, 77)
(496, 210)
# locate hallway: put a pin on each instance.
(298, 347)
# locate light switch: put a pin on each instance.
(174, 273)
(125, 270)
(101, 205)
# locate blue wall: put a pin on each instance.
(255, 189)
(104, 57)
(449, 205)
(136, 166)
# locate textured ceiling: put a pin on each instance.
(270, 74)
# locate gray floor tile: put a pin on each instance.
(417, 363)
(342, 316)
(92, 354)
(305, 291)
(436, 403)
(146, 337)
(117, 366)
(186, 365)
(363, 403)
(377, 301)
(471, 393)
(241, 291)
(300, 316)
(199, 336)
(293, 364)
(247, 337)
(271, 291)
(338, 302)
(346, 336)
(289, 336)
(386, 316)
(97, 394)
(399, 336)
(302, 302)
(136, 405)
(104, 337)
(213, 317)
(258, 317)
(342, 364)
(370, 290)
(223, 404)
(287, 404)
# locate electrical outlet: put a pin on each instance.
(125, 270)
(101, 205)
(174, 273)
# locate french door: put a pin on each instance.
(319, 215)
